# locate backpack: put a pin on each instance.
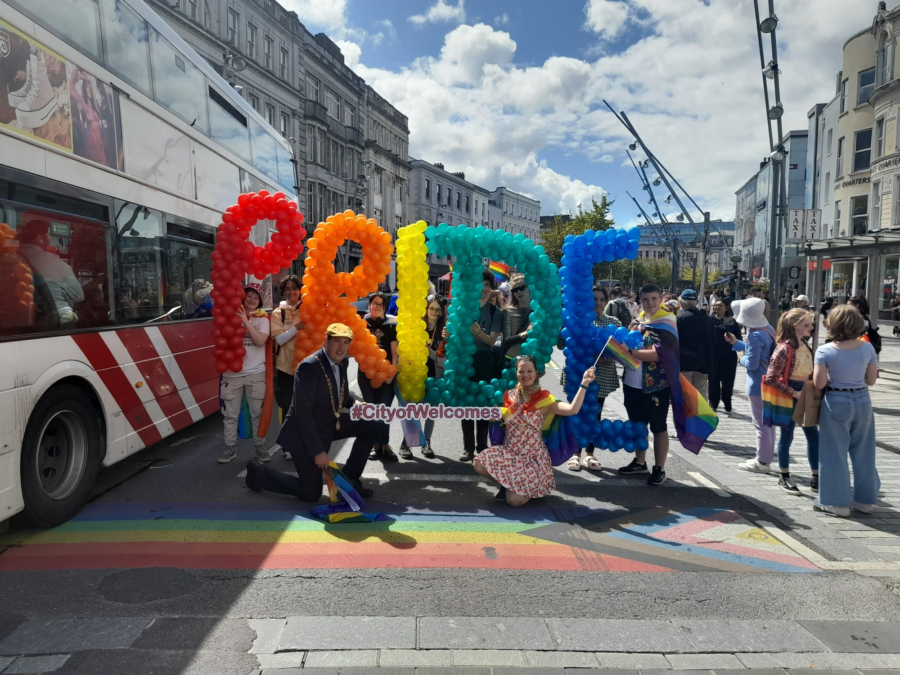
(874, 338)
(621, 312)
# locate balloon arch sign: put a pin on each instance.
(562, 302)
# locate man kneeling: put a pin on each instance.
(314, 421)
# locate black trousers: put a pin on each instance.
(472, 429)
(307, 486)
(590, 446)
(383, 394)
(721, 382)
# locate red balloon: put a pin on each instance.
(240, 352)
(228, 356)
(233, 342)
(226, 331)
(234, 320)
(244, 199)
(222, 343)
(237, 365)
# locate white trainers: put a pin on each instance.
(863, 508)
(41, 101)
(754, 465)
(839, 511)
(17, 97)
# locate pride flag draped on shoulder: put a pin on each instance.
(694, 419)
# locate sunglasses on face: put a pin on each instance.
(436, 310)
(376, 305)
(519, 289)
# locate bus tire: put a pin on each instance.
(61, 454)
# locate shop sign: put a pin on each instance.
(794, 273)
(795, 226)
(854, 181)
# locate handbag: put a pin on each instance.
(806, 414)
(778, 406)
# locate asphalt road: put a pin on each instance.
(183, 471)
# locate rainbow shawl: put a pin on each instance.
(558, 437)
(346, 503)
(694, 418)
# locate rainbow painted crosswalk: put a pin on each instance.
(276, 536)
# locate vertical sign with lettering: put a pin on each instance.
(794, 226)
(811, 226)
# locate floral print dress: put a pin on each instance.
(522, 463)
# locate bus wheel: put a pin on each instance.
(60, 456)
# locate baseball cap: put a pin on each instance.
(339, 330)
(689, 294)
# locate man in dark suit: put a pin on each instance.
(314, 421)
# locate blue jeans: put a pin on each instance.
(787, 436)
(848, 426)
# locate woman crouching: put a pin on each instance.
(522, 464)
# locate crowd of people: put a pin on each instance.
(708, 337)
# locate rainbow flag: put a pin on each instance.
(501, 271)
(620, 353)
(694, 418)
(346, 503)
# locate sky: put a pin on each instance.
(511, 91)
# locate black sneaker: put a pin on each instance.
(253, 480)
(376, 452)
(658, 477)
(814, 484)
(787, 484)
(501, 495)
(363, 491)
(728, 407)
(633, 469)
(387, 454)
(427, 451)
(405, 452)
(466, 456)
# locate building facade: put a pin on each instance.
(758, 204)
(517, 213)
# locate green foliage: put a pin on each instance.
(597, 218)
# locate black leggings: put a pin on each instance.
(383, 394)
(721, 383)
(471, 429)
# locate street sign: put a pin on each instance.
(795, 226)
(736, 258)
(811, 224)
(794, 273)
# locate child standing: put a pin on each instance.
(790, 367)
(844, 367)
(252, 378)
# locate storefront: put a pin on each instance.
(853, 259)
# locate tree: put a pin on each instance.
(598, 218)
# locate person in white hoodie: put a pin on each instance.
(285, 324)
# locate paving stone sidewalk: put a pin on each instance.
(197, 646)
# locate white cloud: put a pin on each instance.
(330, 16)
(440, 12)
(690, 84)
(351, 51)
(605, 17)
(501, 20)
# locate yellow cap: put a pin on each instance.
(339, 330)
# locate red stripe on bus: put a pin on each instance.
(156, 374)
(111, 374)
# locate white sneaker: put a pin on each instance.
(754, 465)
(839, 511)
(863, 508)
(17, 98)
(41, 101)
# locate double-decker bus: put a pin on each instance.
(120, 147)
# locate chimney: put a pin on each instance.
(439, 166)
(460, 174)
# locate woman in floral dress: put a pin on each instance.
(522, 464)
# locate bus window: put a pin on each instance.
(74, 21)
(188, 266)
(136, 252)
(66, 256)
(126, 43)
(178, 84)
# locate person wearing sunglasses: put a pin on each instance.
(384, 329)
(435, 318)
(515, 318)
(285, 324)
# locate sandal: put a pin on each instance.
(574, 463)
(590, 463)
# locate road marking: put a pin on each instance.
(706, 482)
(553, 364)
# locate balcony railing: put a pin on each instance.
(354, 135)
(316, 111)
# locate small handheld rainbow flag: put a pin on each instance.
(620, 353)
(501, 271)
